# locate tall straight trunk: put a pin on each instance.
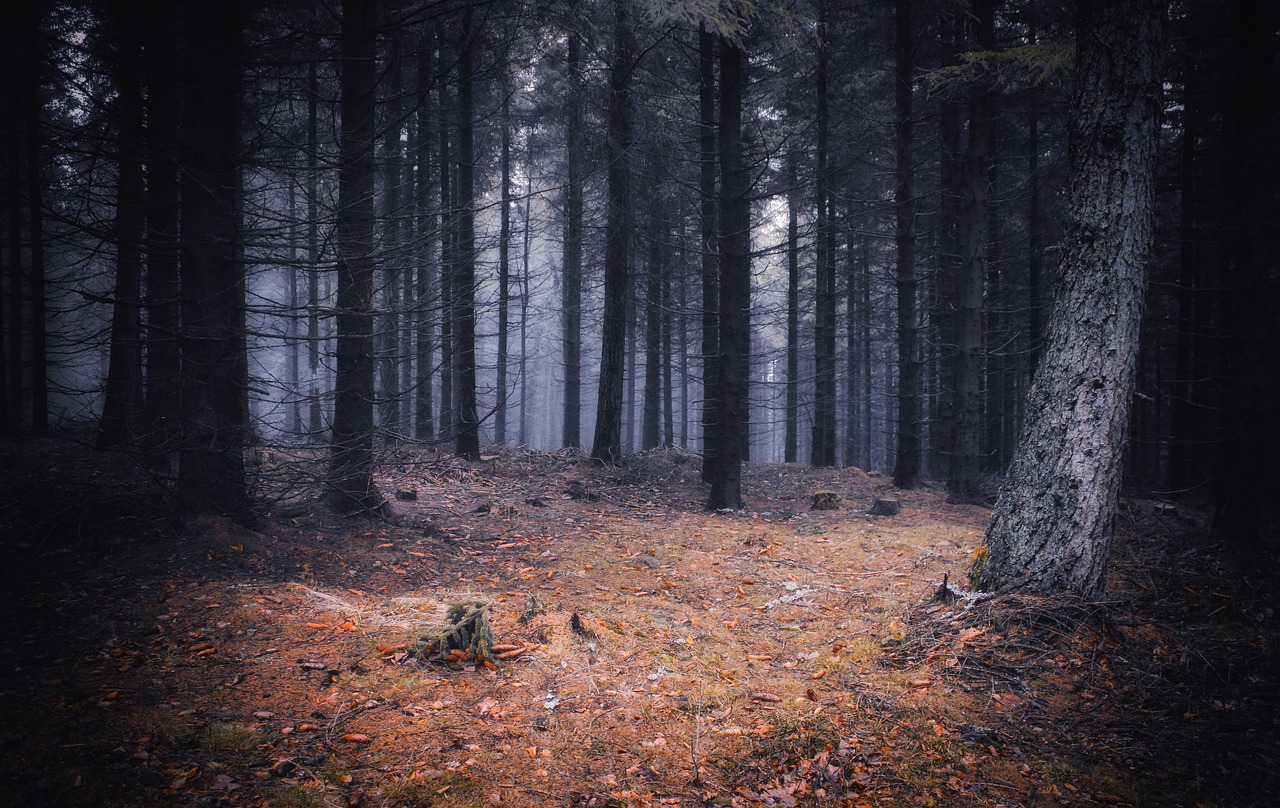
(853, 417)
(351, 484)
(1184, 391)
(16, 399)
(964, 482)
(163, 356)
(823, 449)
(448, 262)
(524, 298)
(945, 308)
(668, 336)
(504, 280)
(653, 311)
(425, 221)
(1248, 477)
(907, 461)
(607, 443)
(792, 417)
(315, 420)
(1053, 523)
(710, 267)
(386, 338)
(122, 396)
(571, 272)
(467, 439)
(735, 287)
(215, 419)
(33, 113)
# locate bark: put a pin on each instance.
(351, 468)
(315, 414)
(708, 250)
(162, 293)
(907, 461)
(425, 219)
(1054, 520)
(823, 448)
(735, 287)
(965, 474)
(571, 274)
(792, 416)
(211, 472)
(122, 396)
(467, 443)
(650, 427)
(504, 279)
(607, 444)
(388, 331)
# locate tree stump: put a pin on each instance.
(824, 501)
(885, 507)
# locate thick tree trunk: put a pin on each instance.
(907, 461)
(351, 470)
(315, 414)
(735, 287)
(211, 473)
(607, 444)
(1053, 523)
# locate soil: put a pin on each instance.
(645, 652)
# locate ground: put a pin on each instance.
(648, 652)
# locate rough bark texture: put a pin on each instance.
(351, 471)
(708, 229)
(823, 447)
(1053, 523)
(467, 444)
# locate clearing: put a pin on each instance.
(649, 653)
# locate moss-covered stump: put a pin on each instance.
(824, 501)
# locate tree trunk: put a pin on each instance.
(424, 348)
(504, 279)
(735, 287)
(122, 396)
(1053, 523)
(315, 415)
(571, 274)
(823, 448)
(906, 469)
(351, 470)
(792, 417)
(607, 444)
(211, 473)
(654, 260)
(388, 331)
(708, 251)
(467, 445)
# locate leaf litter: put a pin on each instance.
(635, 651)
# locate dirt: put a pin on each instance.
(650, 653)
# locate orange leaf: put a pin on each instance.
(820, 674)
(356, 737)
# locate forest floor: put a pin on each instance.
(655, 654)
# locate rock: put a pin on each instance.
(407, 494)
(886, 507)
(824, 501)
(537, 502)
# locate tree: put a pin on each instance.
(214, 417)
(823, 449)
(467, 437)
(734, 333)
(907, 462)
(607, 444)
(1055, 517)
(571, 259)
(352, 488)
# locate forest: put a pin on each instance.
(640, 402)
